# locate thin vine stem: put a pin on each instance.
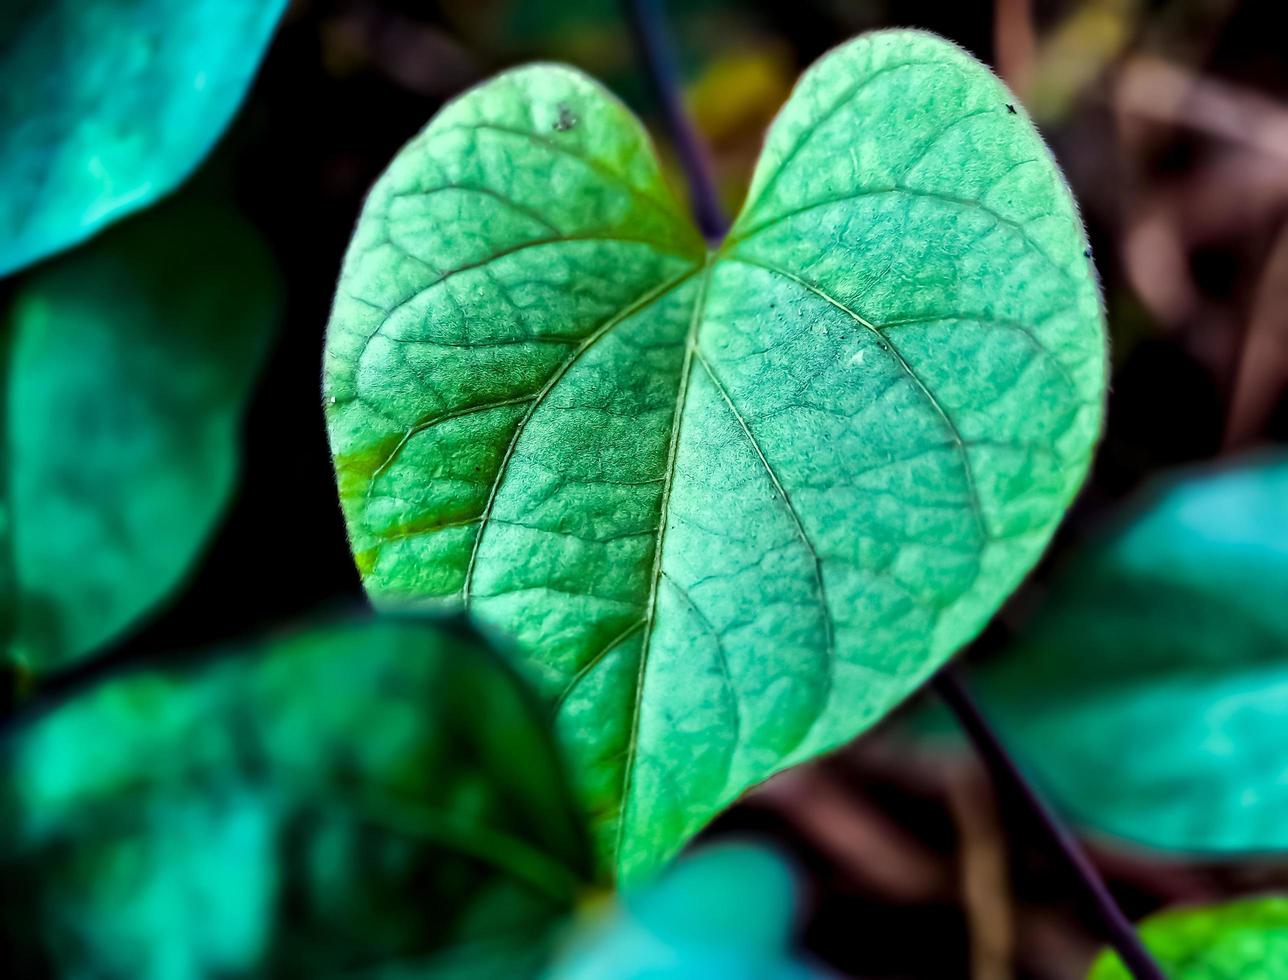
(655, 52)
(649, 30)
(1010, 780)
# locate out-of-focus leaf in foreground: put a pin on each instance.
(107, 105)
(126, 370)
(1150, 695)
(732, 504)
(725, 911)
(1240, 940)
(379, 798)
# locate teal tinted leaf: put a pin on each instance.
(109, 104)
(126, 369)
(1150, 694)
(1247, 939)
(732, 506)
(725, 911)
(379, 794)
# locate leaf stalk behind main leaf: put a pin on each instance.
(659, 64)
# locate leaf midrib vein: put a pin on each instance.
(593, 338)
(686, 370)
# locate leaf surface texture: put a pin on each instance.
(732, 505)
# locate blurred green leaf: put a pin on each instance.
(733, 505)
(378, 798)
(1150, 694)
(126, 370)
(724, 911)
(107, 105)
(1241, 940)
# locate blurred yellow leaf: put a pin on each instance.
(1077, 52)
(740, 92)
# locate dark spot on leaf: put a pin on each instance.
(567, 118)
(1086, 252)
(1010, 108)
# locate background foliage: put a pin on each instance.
(1168, 118)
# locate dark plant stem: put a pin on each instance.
(659, 61)
(655, 52)
(1006, 775)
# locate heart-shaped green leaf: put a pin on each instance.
(377, 794)
(126, 368)
(108, 104)
(1245, 939)
(1150, 693)
(733, 505)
